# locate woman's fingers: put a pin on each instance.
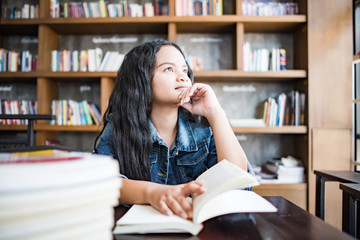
(177, 207)
(189, 93)
(163, 207)
(193, 187)
(174, 200)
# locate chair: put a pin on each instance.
(30, 138)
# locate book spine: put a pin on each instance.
(89, 120)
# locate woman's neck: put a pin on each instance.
(165, 122)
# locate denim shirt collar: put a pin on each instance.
(185, 140)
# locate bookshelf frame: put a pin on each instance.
(49, 31)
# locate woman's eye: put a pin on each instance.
(169, 69)
(185, 71)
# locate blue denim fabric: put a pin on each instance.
(192, 153)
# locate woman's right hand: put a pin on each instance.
(172, 199)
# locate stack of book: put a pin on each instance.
(284, 170)
(53, 194)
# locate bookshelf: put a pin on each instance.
(294, 140)
(51, 31)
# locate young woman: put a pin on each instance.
(163, 129)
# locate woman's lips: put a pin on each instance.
(182, 88)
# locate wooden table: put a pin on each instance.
(351, 208)
(322, 177)
(290, 222)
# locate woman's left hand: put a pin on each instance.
(205, 101)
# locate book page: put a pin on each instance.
(146, 219)
(234, 201)
(221, 177)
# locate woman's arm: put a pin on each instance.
(207, 105)
(168, 199)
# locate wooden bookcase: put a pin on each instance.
(49, 32)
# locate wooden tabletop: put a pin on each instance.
(290, 222)
(351, 188)
(340, 176)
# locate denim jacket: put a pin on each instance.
(192, 152)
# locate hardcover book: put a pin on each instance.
(225, 194)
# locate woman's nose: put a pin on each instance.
(183, 77)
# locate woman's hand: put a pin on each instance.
(205, 101)
(172, 199)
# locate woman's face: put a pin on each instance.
(170, 76)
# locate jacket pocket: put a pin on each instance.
(192, 164)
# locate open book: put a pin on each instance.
(223, 182)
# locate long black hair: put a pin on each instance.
(130, 108)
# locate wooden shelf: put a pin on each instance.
(272, 23)
(295, 193)
(294, 186)
(236, 75)
(213, 75)
(13, 127)
(77, 74)
(19, 74)
(47, 127)
(21, 21)
(159, 24)
(272, 130)
(94, 128)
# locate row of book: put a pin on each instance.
(16, 107)
(268, 8)
(281, 170)
(12, 61)
(70, 112)
(102, 8)
(284, 109)
(55, 194)
(90, 60)
(262, 59)
(199, 7)
(26, 11)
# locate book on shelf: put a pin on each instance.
(15, 61)
(284, 109)
(70, 112)
(101, 8)
(16, 107)
(224, 183)
(262, 59)
(268, 8)
(199, 7)
(26, 11)
(90, 60)
(56, 194)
